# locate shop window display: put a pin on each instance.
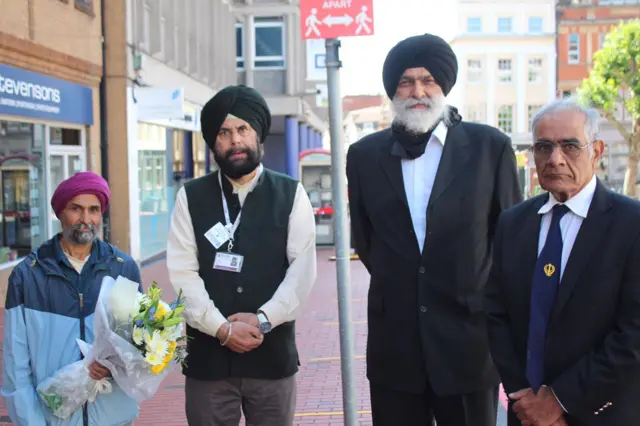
(23, 223)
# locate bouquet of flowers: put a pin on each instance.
(137, 338)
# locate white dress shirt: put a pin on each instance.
(290, 297)
(570, 223)
(418, 175)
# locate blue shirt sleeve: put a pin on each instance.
(18, 389)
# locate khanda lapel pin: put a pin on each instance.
(549, 269)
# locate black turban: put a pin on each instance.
(428, 51)
(240, 101)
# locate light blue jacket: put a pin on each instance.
(48, 306)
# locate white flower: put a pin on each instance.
(176, 332)
(138, 335)
(153, 358)
(155, 343)
(142, 299)
(123, 297)
(171, 334)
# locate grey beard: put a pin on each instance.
(417, 120)
(75, 235)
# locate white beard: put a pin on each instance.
(419, 120)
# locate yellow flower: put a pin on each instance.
(157, 369)
(172, 346)
(160, 311)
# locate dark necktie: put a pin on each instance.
(544, 289)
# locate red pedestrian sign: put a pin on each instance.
(336, 18)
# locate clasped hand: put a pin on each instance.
(245, 335)
(541, 409)
(97, 371)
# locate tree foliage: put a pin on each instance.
(614, 82)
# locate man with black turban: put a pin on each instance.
(425, 196)
(242, 249)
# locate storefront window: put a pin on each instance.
(68, 137)
(155, 189)
(23, 201)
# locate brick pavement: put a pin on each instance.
(319, 380)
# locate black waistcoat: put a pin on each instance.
(261, 238)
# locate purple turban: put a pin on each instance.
(79, 184)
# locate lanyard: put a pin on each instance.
(231, 227)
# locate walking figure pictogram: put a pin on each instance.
(362, 20)
(312, 23)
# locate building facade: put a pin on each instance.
(582, 28)
(507, 63)
(271, 56)
(359, 123)
(50, 73)
(165, 60)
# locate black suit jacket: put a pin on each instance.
(592, 360)
(425, 317)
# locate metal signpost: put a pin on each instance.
(330, 19)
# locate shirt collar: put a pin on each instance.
(440, 132)
(578, 204)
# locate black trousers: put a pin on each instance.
(392, 408)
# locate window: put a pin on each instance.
(505, 118)
(270, 42)
(474, 70)
(69, 137)
(85, 6)
(535, 70)
(239, 47)
(535, 24)
(474, 25)
(602, 40)
(475, 113)
(23, 199)
(574, 48)
(504, 71)
(531, 112)
(505, 25)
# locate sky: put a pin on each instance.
(363, 57)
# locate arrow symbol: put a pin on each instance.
(345, 20)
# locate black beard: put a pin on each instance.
(237, 169)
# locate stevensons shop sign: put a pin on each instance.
(27, 94)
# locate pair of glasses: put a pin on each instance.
(570, 148)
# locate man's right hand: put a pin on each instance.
(244, 337)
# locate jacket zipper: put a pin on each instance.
(85, 413)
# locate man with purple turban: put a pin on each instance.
(50, 302)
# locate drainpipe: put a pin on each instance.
(104, 142)
(558, 16)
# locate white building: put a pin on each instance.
(507, 62)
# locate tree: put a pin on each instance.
(614, 82)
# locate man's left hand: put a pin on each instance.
(541, 409)
(97, 371)
(247, 318)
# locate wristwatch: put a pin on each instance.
(265, 325)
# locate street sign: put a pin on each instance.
(325, 19)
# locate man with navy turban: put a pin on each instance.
(424, 197)
(241, 247)
(51, 298)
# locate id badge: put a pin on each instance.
(217, 235)
(228, 262)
